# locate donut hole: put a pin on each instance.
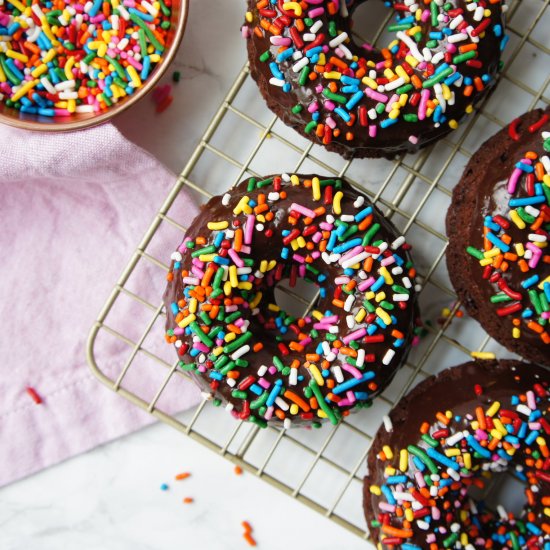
(501, 489)
(367, 18)
(295, 300)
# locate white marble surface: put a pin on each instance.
(110, 498)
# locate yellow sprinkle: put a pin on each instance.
(414, 30)
(317, 376)
(388, 73)
(380, 296)
(446, 92)
(496, 434)
(217, 226)
(271, 264)
(241, 205)
(186, 321)
(229, 337)
(520, 251)
(361, 314)
(453, 124)
(483, 355)
(546, 180)
(49, 56)
(317, 314)
(17, 55)
(68, 68)
(449, 414)
(492, 253)
(486, 261)
(464, 539)
(541, 441)
(301, 242)
(207, 257)
(547, 512)
(403, 98)
(263, 266)
(294, 408)
(383, 315)
(336, 203)
(294, 179)
(294, 245)
(193, 305)
(516, 333)
(493, 409)
(367, 81)
(3, 75)
(322, 59)
(403, 460)
(260, 218)
(516, 219)
(257, 299)
(293, 6)
(273, 307)
(316, 186)
(227, 288)
(218, 351)
(24, 89)
(375, 490)
(452, 452)
(409, 514)
(394, 113)
(233, 278)
(467, 460)
(136, 80)
(17, 4)
(321, 413)
(244, 285)
(332, 75)
(155, 57)
(386, 274)
(499, 426)
(387, 451)
(369, 295)
(412, 61)
(249, 17)
(402, 73)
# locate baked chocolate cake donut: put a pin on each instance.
(449, 435)
(242, 348)
(362, 102)
(498, 226)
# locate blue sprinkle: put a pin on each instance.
(342, 114)
(530, 281)
(378, 284)
(369, 375)
(164, 487)
(473, 442)
(388, 122)
(525, 167)
(513, 203)
(497, 242)
(441, 458)
(356, 98)
(360, 216)
(388, 494)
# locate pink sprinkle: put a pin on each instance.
(326, 226)
(305, 341)
(341, 280)
(377, 96)
(264, 383)
(329, 105)
(235, 257)
(422, 107)
(245, 32)
(372, 131)
(356, 335)
(298, 258)
(388, 261)
(420, 479)
(425, 15)
(272, 369)
(231, 309)
(201, 347)
(316, 12)
(531, 402)
(191, 281)
(513, 181)
(313, 107)
(366, 284)
(280, 41)
(269, 413)
(537, 253)
(250, 220)
(330, 122)
(351, 396)
(355, 372)
(302, 271)
(303, 210)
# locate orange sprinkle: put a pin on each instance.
(238, 470)
(188, 500)
(183, 475)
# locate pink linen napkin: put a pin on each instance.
(73, 206)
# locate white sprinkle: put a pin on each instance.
(400, 297)
(359, 201)
(455, 438)
(226, 198)
(502, 512)
(337, 373)
(347, 218)
(331, 357)
(285, 177)
(454, 474)
(230, 382)
(275, 81)
(406, 282)
(326, 347)
(350, 321)
(308, 37)
(388, 357)
(537, 238)
(338, 40)
(360, 357)
(523, 409)
(387, 423)
(398, 242)
(458, 37)
(287, 423)
(229, 407)
(273, 196)
(349, 302)
(297, 67)
(176, 256)
(355, 259)
(281, 403)
(293, 377)
(316, 26)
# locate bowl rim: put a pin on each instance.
(65, 125)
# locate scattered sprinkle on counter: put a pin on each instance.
(34, 395)
(247, 535)
(182, 476)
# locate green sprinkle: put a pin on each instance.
(335, 97)
(265, 56)
(475, 252)
(422, 456)
(297, 109)
(322, 403)
(304, 73)
(437, 78)
(236, 344)
(464, 57)
(310, 126)
(238, 394)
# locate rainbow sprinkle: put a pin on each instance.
(59, 58)
(437, 60)
(515, 242)
(424, 498)
(270, 365)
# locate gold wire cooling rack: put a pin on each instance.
(322, 468)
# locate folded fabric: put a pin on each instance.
(73, 207)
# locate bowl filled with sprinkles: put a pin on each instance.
(69, 64)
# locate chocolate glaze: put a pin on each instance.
(264, 248)
(482, 192)
(451, 390)
(390, 141)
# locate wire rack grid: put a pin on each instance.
(321, 468)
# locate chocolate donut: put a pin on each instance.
(448, 436)
(243, 349)
(498, 226)
(362, 102)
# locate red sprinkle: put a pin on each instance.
(512, 129)
(34, 395)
